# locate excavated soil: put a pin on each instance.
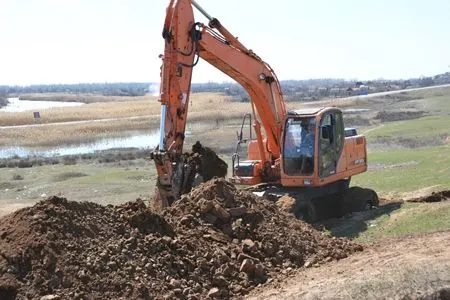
(209, 164)
(434, 197)
(199, 165)
(214, 242)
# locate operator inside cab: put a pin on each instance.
(298, 152)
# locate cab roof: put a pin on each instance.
(306, 111)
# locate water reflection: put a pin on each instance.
(140, 141)
(16, 105)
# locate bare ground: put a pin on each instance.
(402, 268)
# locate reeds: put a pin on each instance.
(207, 111)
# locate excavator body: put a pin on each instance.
(336, 153)
(306, 153)
(310, 171)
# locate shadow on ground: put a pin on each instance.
(356, 223)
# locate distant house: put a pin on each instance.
(363, 90)
(349, 91)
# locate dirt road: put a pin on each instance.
(401, 91)
(413, 266)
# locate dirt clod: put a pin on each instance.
(286, 204)
(214, 242)
(434, 197)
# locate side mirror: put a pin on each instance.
(325, 132)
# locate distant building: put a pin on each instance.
(363, 90)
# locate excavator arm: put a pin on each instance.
(185, 42)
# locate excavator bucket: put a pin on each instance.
(200, 165)
(193, 168)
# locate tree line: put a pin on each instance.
(107, 89)
(3, 98)
(293, 90)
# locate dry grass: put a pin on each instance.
(208, 114)
(68, 97)
(72, 133)
(207, 111)
(94, 111)
(203, 107)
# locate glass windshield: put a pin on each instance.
(299, 142)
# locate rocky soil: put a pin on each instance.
(214, 242)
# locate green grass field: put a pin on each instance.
(433, 126)
(410, 218)
(111, 183)
(405, 170)
(397, 171)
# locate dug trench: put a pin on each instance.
(434, 197)
(215, 242)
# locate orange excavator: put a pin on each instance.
(305, 153)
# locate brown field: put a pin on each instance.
(207, 111)
(67, 97)
(91, 111)
(204, 106)
(53, 135)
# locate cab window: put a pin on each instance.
(299, 145)
(331, 142)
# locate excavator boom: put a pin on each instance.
(185, 42)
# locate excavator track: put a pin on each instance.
(312, 206)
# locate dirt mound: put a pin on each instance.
(214, 242)
(434, 197)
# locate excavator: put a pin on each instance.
(307, 153)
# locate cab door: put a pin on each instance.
(331, 141)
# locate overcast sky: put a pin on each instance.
(68, 41)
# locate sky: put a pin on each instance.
(69, 41)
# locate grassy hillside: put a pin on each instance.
(406, 159)
(404, 170)
(411, 218)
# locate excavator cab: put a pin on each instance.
(316, 151)
(320, 137)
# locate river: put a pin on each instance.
(137, 140)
